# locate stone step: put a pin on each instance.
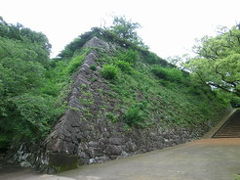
(231, 129)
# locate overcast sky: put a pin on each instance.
(169, 27)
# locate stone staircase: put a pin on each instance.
(231, 128)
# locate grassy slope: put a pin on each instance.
(147, 99)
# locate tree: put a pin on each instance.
(25, 110)
(35, 41)
(218, 61)
(126, 29)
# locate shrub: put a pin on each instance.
(235, 101)
(169, 74)
(134, 117)
(75, 63)
(109, 72)
(34, 115)
(124, 66)
(151, 58)
(159, 72)
(129, 56)
(93, 67)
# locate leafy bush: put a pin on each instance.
(235, 101)
(27, 117)
(18, 76)
(109, 72)
(129, 56)
(169, 74)
(35, 114)
(134, 116)
(159, 72)
(125, 29)
(151, 58)
(75, 63)
(93, 67)
(28, 90)
(124, 66)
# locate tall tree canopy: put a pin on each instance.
(126, 29)
(24, 106)
(32, 44)
(218, 61)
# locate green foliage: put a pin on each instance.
(109, 72)
(28, 98)
(124, 59)
(217, 63)
(18, 76)
(32, 87)
(135, 116)
(35, 114)
(16, 40)
(78, 43)
(19, 32)
(129, 56)
(75, 62)
(160, 72)
(124, 66)
(126, 29)
(235, 101)
(152, 58)
(108, 34)
(169, 74)
(32, 96)
(93, 67)
(179, 102)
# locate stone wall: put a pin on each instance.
(83, 135)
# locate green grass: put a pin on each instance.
(124, 66)
(110, 72)
(172, 99)
(168, 74)
(140, 90)
(135, 116)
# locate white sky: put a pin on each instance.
(169, 27)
